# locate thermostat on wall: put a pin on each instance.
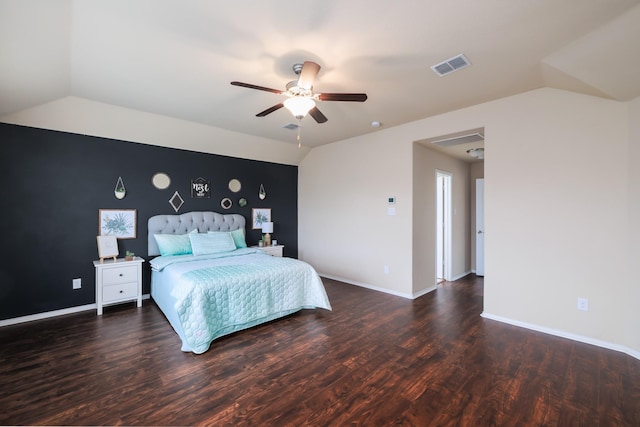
(392, 200)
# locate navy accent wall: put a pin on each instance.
(55, 183)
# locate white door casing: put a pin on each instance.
(480, 227)
(443, 226)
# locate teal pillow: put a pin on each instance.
(212, 243)
(238, 238)
(173, 244)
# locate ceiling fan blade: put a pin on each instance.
(250, 86)
(270, 110)
(354, 97)
(317, 115)
(308, 75)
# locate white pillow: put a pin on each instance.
(211, 243)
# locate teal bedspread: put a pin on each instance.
(227, 293)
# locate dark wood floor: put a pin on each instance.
(375, 360)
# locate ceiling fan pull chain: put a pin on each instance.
(299, 126)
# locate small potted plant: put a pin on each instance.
(120, 191)
(129, 256)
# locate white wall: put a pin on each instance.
(82, 116)
(557, 206)
(344, 229)
(632, 296)
(556, 213)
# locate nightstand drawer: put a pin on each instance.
(271, 250)
(118, 281)
(119, 275)
(120, 291)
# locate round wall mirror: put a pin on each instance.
(235, 185)
(161, 181)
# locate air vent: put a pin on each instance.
(461, 139)
(450, 65)
(291, 126)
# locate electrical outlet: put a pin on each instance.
(583, 304)
(77, 283)
(386, 269)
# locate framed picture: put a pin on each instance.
(258, 216)
(120, 223)
(107, 247)
(200, 188)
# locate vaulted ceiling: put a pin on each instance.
(177, 57)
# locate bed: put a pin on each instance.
(209, 284)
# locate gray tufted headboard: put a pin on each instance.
(182, 224)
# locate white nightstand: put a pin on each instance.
(271, 250)
(118, 281)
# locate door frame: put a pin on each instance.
(443, 224)
(479, 230)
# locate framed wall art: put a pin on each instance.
(258, 216)
(107, 247)
(200, 188)
(120, 223)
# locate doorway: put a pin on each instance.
(443, 226)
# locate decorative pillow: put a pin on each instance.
(174, 244)
(212, 243)
(238, 238)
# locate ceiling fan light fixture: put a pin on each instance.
(301, 100)
(477, 153)
(299, 105)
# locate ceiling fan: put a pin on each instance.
(301, 100)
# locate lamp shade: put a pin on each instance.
(299, 106)
(267, 227)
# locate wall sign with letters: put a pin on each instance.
(200, 188)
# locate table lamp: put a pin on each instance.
(267, 227)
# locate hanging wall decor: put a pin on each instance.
(226, 203)
(242, 202)
(120, 191)
(161, 181)
(176, 201)
(200, 188)
(262, 194)
(235, 185)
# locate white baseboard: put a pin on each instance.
(379, 289)
(424, 292)
(54, 313)
(580, 338)
(460, 276)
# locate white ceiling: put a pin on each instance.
(177, 57)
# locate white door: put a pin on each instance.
(443, 226)
(480, 227)
(440, 228)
